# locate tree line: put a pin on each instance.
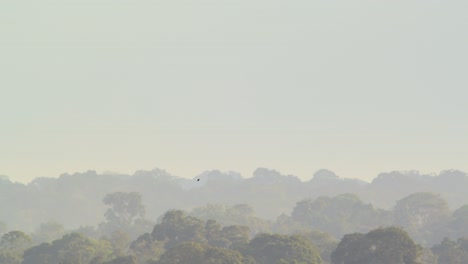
(339, 229)
(71, 199)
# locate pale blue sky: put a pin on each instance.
(358, 87)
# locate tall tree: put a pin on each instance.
(196, 253)
(123, 260)
(124, 208)
(147, 249)
(278, 249)
(421, 214)
(339, 215)
(72, 248)
(12, 246)
(15, 240)
(324, 242)
(451, 252)
(237, 236)
(383, 246)
(240, 214)
(177, 227)
(458, 224)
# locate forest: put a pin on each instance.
(153, 217)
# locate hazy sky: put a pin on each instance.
(358, 87)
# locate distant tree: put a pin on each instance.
(124, 209)
(48, 232)
(123, 260)
(177, 227)
(325, 175)
(146, 249)
(240, 214)
(196, 253)
(278, 249)
(383, 246)
(72, 248)
(213, 233)
(451, 252)
(421, 214)
(457, 226)
(10, 258)
(188, 252)
(12, 246)
(428, 257)
(125, 215)
(226, 237)
(120, 242)
(236, 234)
(324, 242)
(285, 224)
(214, 255)
(3, 228)
(338, 215)
(15, 240)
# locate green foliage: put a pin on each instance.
(270, 193)
(383, 246)
(214, 255)
(338, 215)
(182, 238)
(124, 208)
(278, 249)
(15, 240)
(457, 226)
(177, 227)
(188, 252)
(196, 253)
(461, 213)
(12, 246)
(451, 252)
(213, 233)
(428, 257)
(422, 214)
(240, 214)
(146, 249)
(285, 224)
(123, 260)
(120, 241)
(324, 242)
(235, 236)
(125, 216)
(72, 248)
(7, 257)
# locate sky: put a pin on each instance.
(356, 87)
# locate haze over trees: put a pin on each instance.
(152, 217)
(270, 193)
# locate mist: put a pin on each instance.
(125, 210)
(361, 87)
(267, 92)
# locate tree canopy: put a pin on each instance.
(278, 249)
(384, 246)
